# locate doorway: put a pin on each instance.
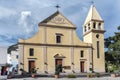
(4, 70)
(31, 65)
(82, 66)
(58, 62)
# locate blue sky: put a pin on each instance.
(20, 18)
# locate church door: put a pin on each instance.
(31, 65)
(58, 62)
(82, 66)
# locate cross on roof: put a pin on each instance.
(57, 6)
(92, 2)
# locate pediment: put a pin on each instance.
(59, 56)
(57, 19)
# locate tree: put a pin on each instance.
(12, 48)
(112, 55)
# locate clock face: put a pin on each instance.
(58, 20)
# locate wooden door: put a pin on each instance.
(3, 70)
(58, 62)
(82, 66)
(31, 65)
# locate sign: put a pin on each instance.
(67, 67)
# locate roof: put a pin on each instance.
(57, 19)
(93, 15)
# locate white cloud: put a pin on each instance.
(27, 23)
(6, 12)
(23, 20)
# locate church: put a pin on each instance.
(57, 43)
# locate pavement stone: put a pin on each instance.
(83, 78)
(3, 77)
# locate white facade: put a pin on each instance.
(3, 56)
(14, 58)
(3, 60)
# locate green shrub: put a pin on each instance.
(97, 74)
(57, 72)
(90, 75)
(71, 76)
(58, 68)
(33, 70)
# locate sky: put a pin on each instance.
(20, 18)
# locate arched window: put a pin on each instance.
(94, 25)
(85, 29)
(99, 26)
(89, 26)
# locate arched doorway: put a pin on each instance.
(59, 60)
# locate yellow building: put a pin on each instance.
(57, 43)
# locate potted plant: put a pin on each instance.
(71, 76)
(33, 71)
(113, 70)
(91, 69)
(97, 74)
(90, 75)
(57, 70)
(21, 71)
(115, 73)
(57, 74)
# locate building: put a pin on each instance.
(3, 60)
(57, 43)
(13, 58)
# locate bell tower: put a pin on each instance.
(93, 32)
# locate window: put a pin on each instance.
(98, 51)
(58, 38)
(97, 36)
(94, 25)
(31, 52)
(82, 53)
(88, 28)
(85, 29)
(99, 26)
(16, 56)
(89, 24)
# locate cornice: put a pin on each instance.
(95, 31)
(56, 26)
(55, 45)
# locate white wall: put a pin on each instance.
(14, 60)
(9, 59)
(3, 55)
